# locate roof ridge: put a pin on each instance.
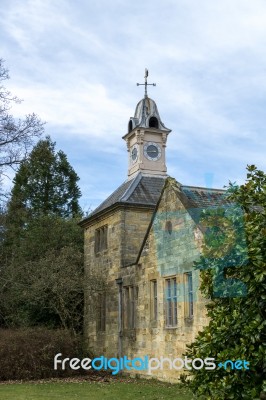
(203, 188)
(131, 187)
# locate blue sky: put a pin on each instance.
(76, 64)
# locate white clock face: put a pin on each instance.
(152, 151)
(134, 154)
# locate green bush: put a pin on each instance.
(29, 353)
(235, 281)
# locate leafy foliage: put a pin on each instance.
(42, 275)
(234, 278)
(41, 281)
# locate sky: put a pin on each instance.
(76, 65)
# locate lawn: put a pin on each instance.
(112, 390)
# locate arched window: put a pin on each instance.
(153, 122)
(130, 126)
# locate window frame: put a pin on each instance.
(171, 315)
(189, 295)
(154, 300)
(101, 239)
(129, 307)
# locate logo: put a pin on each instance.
(146, 364)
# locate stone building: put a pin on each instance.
(142, 240)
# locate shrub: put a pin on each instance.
(29, 353)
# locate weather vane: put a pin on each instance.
(146, 83)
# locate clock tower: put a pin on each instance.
(146, 139)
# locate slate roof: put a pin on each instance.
(146, 190)
(204, 197)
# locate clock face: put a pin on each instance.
(152, 151)
(134, 154)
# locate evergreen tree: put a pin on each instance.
(41, 258)
(45, 184)
(233, 276)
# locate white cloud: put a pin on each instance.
(85, 109)
(76, 65)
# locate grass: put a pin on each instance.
(91, 390)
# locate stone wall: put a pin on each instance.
(168, 255)
(169, 251)
(126, 230)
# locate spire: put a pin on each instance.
(146, 83)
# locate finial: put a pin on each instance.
(146, 83)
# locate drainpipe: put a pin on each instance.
(119, 282)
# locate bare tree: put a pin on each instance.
(16, 135)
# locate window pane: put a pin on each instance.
(153, 300)
(171, 302)
(129, 307)
(189, 295)
(169, 288)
